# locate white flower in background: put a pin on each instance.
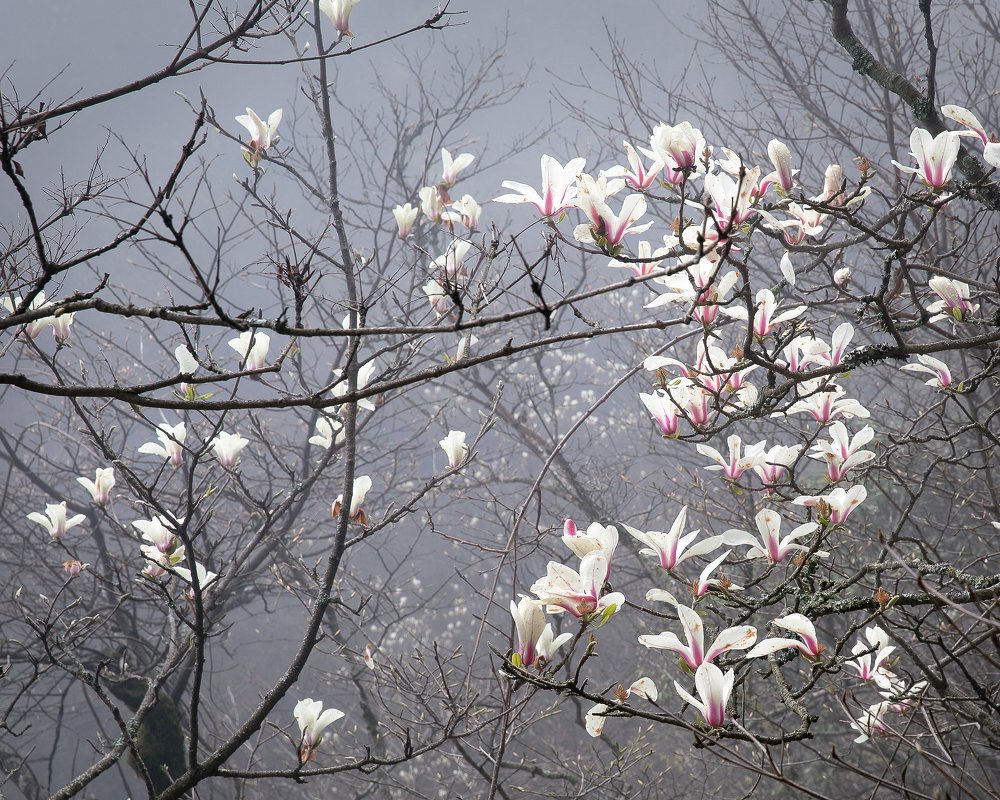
(693, 652)
(365, 372)
(825, 402)
(362, 485)
(205, 577)
(406, 218)
(339, 14)
(872, 722)
(54, 519)
(836, 507)
(187, 364)
(558, 187)
(170, 445)
(465, 211)
(769, 544)
(455, 448)
(935, 156)
(32, 329)
(262, 134)
(329, 431)
(100, 488)
(644, 688)
(714, 688)
(674, 547)
(61, 325)
(252, 349)
(431, 202)
(579, 593)
(452, 167)
(740, 460)
(313, 721)
(841, 453)
(807, 643)
(932, 366)
(227, 447)
(870, 657)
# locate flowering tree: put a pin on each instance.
(251, 415)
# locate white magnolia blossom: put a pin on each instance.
(834, 508)
(313, 721)
(714, 688)
(931, 366)
(54, 519)
(170, 445)
(252, 349)
(329, 431)
(769, 544)
(594, 719)
(673, 547)
(227, 447)
(580, 593)
(339, 14)
(187, 364)
(693, 651)
(807, 643)
(406, 218)
(451, 167)
(455, 448)
(100, 488)
(362, 485)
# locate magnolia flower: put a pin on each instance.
(841, 454)
(431, 203)
(714, 688)
(368, 657)
(455, 448)
(262, 134)
(871, 722)
(637, 175)
(935, 156)
(252, 349)
(598, 538)
(991, 150)
(535, 640)
(362, 485)
(678, 147)
(329, 430)
(406, 217)
(833, 186)
(807, 643)
(781, 157)
(704, 582)
(548, 643)
(450, 168)
(607, 228)
(647, 261)
(54, 519)
(826, 402)
(842, 276)
(452, 262)
(739, 461)
(205, 577)
(339, 14)
(558, 191)
(769, 544)
(35, 327)
(694, 654)
(73, 567)
(579, 593)
(160, 532)
(871, 656)
(60, 327)
(663, 408)
(100, 488)
(170, 445)
(529, 620)
(644, 687)
(731, 201)
(836, 507)
(901, 696)
(764, 320)
(438, 296)
(465, 212)
(833, 354)
(775, 462)
(673, 548)
(954, 300)
(227, 447)
(932, 366)
(365, 372)
(313, 721)
(187, 364)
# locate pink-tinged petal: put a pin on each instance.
(740, 637)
